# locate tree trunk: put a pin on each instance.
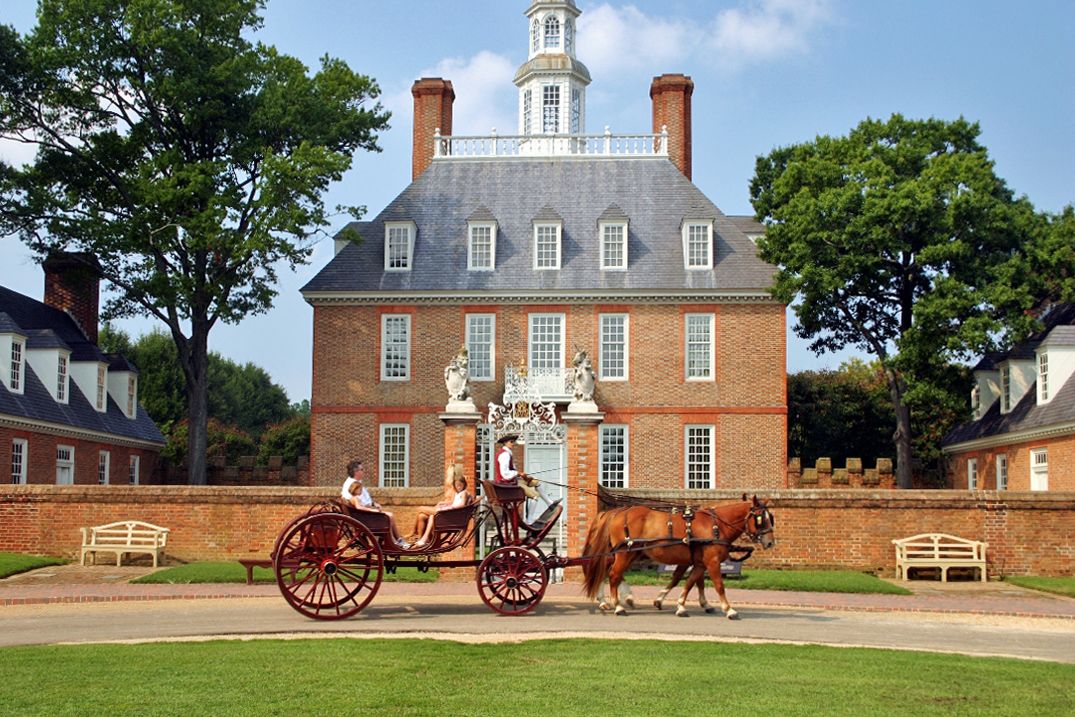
(195, 361)
(902, 435)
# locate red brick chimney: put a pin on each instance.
(671, 95)
(433, 98)
(73, 284)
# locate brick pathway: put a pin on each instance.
(76, 584)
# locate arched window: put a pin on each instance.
(535, 36)
(552, 32)
(569, 36)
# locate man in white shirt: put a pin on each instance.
(507, 475)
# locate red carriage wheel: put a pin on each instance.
(512, 580)
(328, 566)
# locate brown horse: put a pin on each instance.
(618, 538)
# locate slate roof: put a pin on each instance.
(651, 193)
(45, 326)
(1059, 327)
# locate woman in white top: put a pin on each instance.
(355, 493)
(455, 497)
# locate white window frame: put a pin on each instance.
(691, 464)
(1002, 471)
(530, 352)
(404, 347)
(1005, 389)
(576, 110)
(607, 371)
(528, 111)
(1039, 469)
(541, 239)
(972, 474)
(690, 371)
(65, 459)
(134, 467)
(602, 231)
(63, 378)
(104, 460)
(551, 31)
(550, 109)
(1043, 377)
(476, 349)
(102, 387)
(609, 462)
(132, 394)
(476, 228)
(392, 239)
(20, 453)
(535, 36)
(976, 402)
(17, 376)
(690, 241)
(388, 473)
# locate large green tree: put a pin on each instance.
(190, 160)
(891, 240)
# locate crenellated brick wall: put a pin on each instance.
(1028, 533)
(852, 475)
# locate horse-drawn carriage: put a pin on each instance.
(330, 561)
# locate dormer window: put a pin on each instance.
(1043, 377)
(552, 33)
(1005, 389)
(613, 245)
(132, 395)
(61, 379)
(102, 387)
(547, 245)
(481, 246)
(698, 244)
(976, 402)
(398, 246)
(16, 365)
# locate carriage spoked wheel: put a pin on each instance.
(328, 566)
(512, 580)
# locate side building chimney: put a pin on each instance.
(73, 284)
(433, 98)
(671, 95)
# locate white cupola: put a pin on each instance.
(552, 83)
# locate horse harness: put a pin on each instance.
(759, 517)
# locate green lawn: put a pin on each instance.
(233, 572)
(828, 581)
(14, 563)
(1060, 586)
(548, 677)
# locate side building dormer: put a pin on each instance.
(1055, 362)
(12, 355)
(123, 384)
(50, 357)
(1017, 374)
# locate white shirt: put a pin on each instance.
(505, 460)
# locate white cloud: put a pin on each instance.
(623, 41)
(17, 153)
(484, 94)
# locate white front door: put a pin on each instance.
(1039, 469)
(546, 464)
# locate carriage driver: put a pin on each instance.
(507, 475)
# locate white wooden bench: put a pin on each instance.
(938, 550)
(125, 536)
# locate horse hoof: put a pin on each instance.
(710, 610)
(658, 604)
(604, 606)
(682, 614)
(733, 615)
(620, 612)
(631, 603)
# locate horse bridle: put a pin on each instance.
(763, 523)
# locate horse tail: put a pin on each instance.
(595, 570)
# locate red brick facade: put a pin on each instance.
(745, 403)
(41, 458)
(1061, 469)
(1028, 533)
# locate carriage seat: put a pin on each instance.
(454, 519)
(501, 495)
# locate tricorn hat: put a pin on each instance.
(507, 437)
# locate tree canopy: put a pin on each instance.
(893, 240)
(187, 158)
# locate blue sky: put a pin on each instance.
(767, 73)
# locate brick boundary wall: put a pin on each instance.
(1028, 533)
